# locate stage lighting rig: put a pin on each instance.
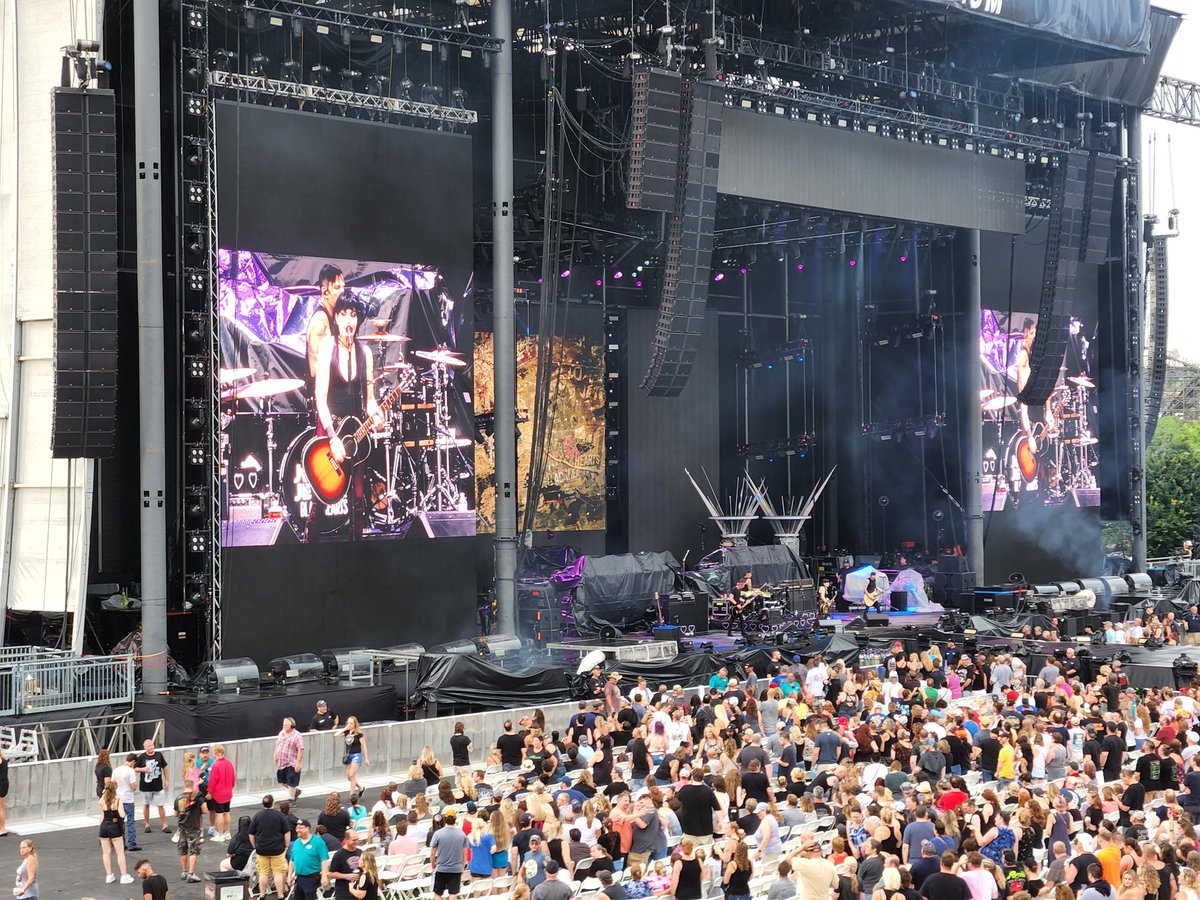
(769, 451)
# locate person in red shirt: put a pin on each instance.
(221, 779)
(954, 795)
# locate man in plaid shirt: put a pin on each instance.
(289, 757)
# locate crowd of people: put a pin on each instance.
(938, 774)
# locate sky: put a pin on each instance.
(1169, 181)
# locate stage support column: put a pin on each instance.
(147, 123)
(970, 291)
(1137, 384)
(504, 336)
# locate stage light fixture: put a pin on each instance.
(720, 276)
(404, 89)
(258, 65)
(320, 75)
(224, 61)
(195, 19)
(350, 79)
(197, 456)
(277, 21)
(290, 71)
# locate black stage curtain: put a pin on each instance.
(686, 669)
(458, 679)
(234, 717)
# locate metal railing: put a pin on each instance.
(23, 653)
(39, 684)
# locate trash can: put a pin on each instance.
(226, 886)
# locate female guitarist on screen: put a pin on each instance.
(343, 378)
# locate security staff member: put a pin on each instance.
(308, 862)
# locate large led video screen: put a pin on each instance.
(346, 415)
(572, 497)
(347, 437)
(1037, 456)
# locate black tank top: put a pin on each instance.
(739, 883)
(347, 398)
(689, 887)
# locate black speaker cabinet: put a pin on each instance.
(899, 601)
(688, 608)
(877, 620)
(668, 633)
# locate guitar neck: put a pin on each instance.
(384, 405)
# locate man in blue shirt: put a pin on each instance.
(720, 681)
(1193, 625)
(308, 861)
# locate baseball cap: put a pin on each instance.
(927, 847)
(525, 818)
(204, 749)
(472, 806)
(551, 867)
(322, 703)
(303, 822)
(450, 812)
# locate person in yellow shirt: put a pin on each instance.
(1006, 760)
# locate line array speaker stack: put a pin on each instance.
(1078, 232)
(674, 156)
(85, 273)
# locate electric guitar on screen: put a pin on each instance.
(329, 478)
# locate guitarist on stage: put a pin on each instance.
(344, 376)
(331, 283)
(739, 599)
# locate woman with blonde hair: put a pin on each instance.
(431, 766)
(483, 846)
(367, 885)
(888, 887)
(501, 832)
(112, 833)
(355, 753)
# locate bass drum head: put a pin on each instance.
(297, 494)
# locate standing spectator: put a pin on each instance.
(154, 886)
(112, 829)
(612, 694)
(981, 882)
(270, 834)
(460, 750)
(289, 758)
(189, 811)
(308, 862)
(103, 771)
(448, 855)
(345, 867)
(324, 719)
(510, 747)
(221, 779)
(944, 884)
(203, 772)
(126, 781)
(356, 754)
(151, 766)
(335, 819)
(815, 875)
(697, 803)
(1112, 752)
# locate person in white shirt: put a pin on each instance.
(126, 781)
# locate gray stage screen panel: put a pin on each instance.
(773, 158)
(667, 434)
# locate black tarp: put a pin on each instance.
(1191, 592)
(686, 669)
(617, 590)
(1119, 25)
(1008, 625)
(458, 679)
(769, 564)
(1159, 606)
(1124, 80)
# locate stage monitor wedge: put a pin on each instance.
(85, 273)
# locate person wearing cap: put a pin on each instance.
(612, 693)
(324, 719)
(552, 888)
(308, 862)
(201, 773)
(522, 838)
(532, 868)
(448, 855)
(928, 864)
(814, 874)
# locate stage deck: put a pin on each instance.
(622, 649)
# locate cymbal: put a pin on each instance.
(380, 324)
(985, 392)
(268, 387)
(1082, 381)
(444, 357)
(384, 338)
(228, 376)
(444, 443)
(399, 367)
(998, 403)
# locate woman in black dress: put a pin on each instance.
(112, 834)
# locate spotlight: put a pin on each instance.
(720, 276)
(599, 282)
(350, 79)
(224, 61)
(564, 273)
(404, 88)
(799, 267)
(618, 275)
(853, 263)
(904, 257)
(320, 75)
(290, 71)
(258, 65)
(637, 283)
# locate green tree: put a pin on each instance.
(1172, 485)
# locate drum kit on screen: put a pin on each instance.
(1061, 456)
(413, 460)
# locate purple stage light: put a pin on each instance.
(637, 283)
(742, 270)
(618, 274)
(599, 282)
(539, 279)
(854, 262)
(564, 273)
(720, 276)
(904, 258)
(799, 267)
